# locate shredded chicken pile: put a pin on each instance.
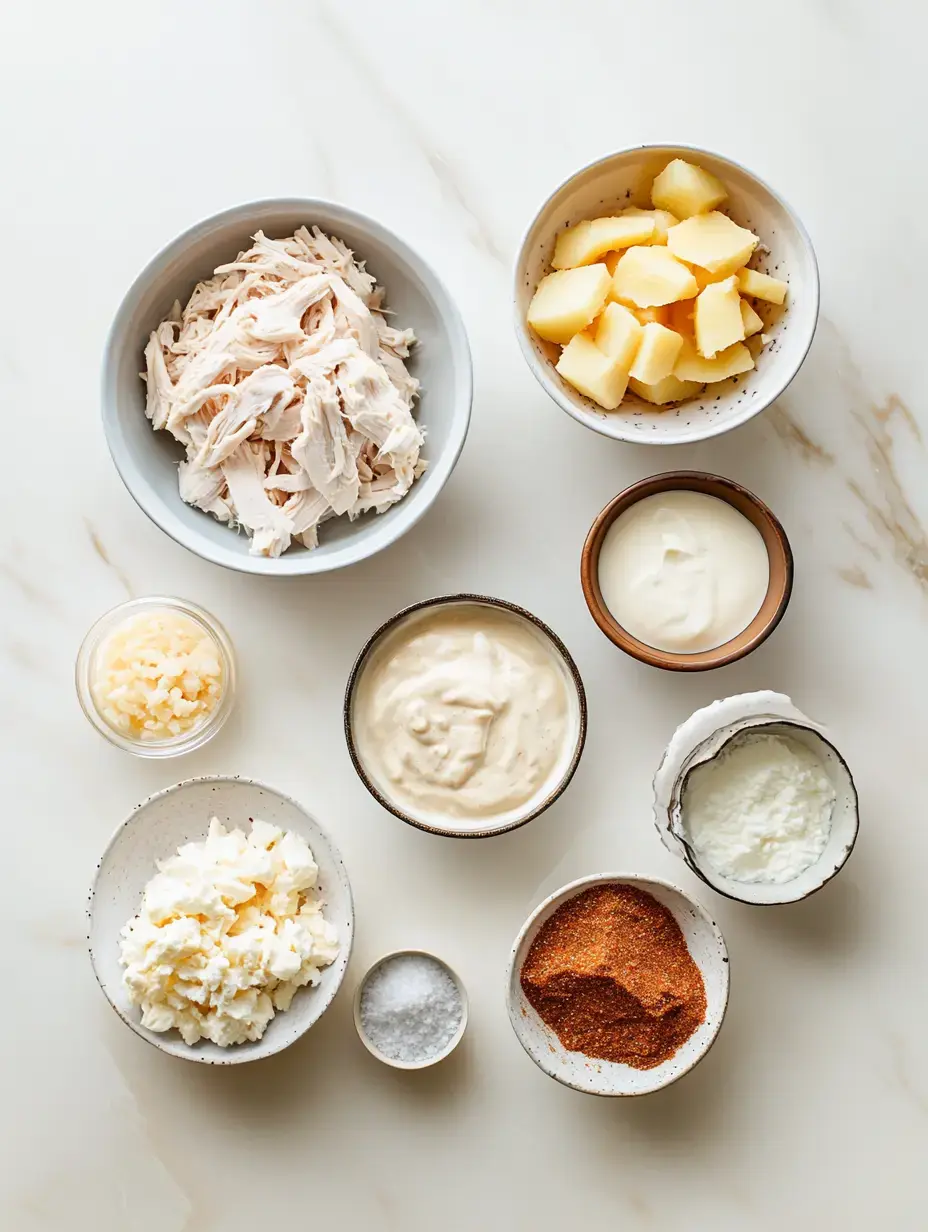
(287, 387)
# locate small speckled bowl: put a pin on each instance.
(455, 827)
(382, 1056)
(94, 643)
(625, 179)
(155, 830)
(596, 1077)
(701, 738)
(779, 558)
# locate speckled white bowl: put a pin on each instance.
(155, 830)
(623, 179)
(595, 1077)
(147, 460)
(701, 738)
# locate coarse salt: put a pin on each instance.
(411, 1008)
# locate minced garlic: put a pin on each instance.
(157, 675)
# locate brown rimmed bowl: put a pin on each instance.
(779, 555)
(707, 948)
(454, 827)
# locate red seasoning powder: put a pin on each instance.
(610, 974)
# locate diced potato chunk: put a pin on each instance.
(718, 318)
(663, 221)
(681, 317)
(691, 366)
(712, 241)
(657, 354)
(650, 276)
(670, 389)
(762, 286)
(567, 301)
(751, 321)
(686, 190)
(588, 241)
(611, 260)
(658, 313)
(618, 334)
(593, 372)
(704, 278)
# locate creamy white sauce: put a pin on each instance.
(683, 571)
(467, 712)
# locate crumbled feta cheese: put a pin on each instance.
(228, 930)
(157, 675)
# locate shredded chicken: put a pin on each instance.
(288, 389)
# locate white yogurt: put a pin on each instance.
(683, 571)
(465, 711)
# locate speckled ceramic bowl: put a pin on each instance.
(623, 179)
(155, 830)
(701, 738)
(596, 1077)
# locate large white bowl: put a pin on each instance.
(597, 1077)
(154, 831)
(625, 178)
(147, 460)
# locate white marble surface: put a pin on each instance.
(451, 123)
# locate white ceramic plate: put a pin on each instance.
(597, 1077)
(623, 179)
(147, 460)
(154, 831)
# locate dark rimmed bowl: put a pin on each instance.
(452, 830)
(779, 587)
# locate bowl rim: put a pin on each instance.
(372, 1048)
(506, 606)
(693, 864)
(613, 427)
(711, 485)
(94, 639)
(235, 1057)
(571, 890)
(305, 563)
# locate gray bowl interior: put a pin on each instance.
(147, 460)
(154, 831)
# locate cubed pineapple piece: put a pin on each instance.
(685, 190)
(587, 241)
(567, 301)
(682, 317)
(593, 372)
(762, 286)
(663, 221)
(691, 366)
(718, 318)
(651, 276)
(752, 322)
(658, 314)
(712, 241)
(670, 389)
(657, 354)
(618, 334)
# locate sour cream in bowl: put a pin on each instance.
(465, 716)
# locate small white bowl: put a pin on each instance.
(623, 179)
(147, 460)
(382, 1056)
(85, 669)
(154, 831)
(589, 1074)
(701, 738)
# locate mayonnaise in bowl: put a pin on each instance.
(465, 716)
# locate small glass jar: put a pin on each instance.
(88, 660)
